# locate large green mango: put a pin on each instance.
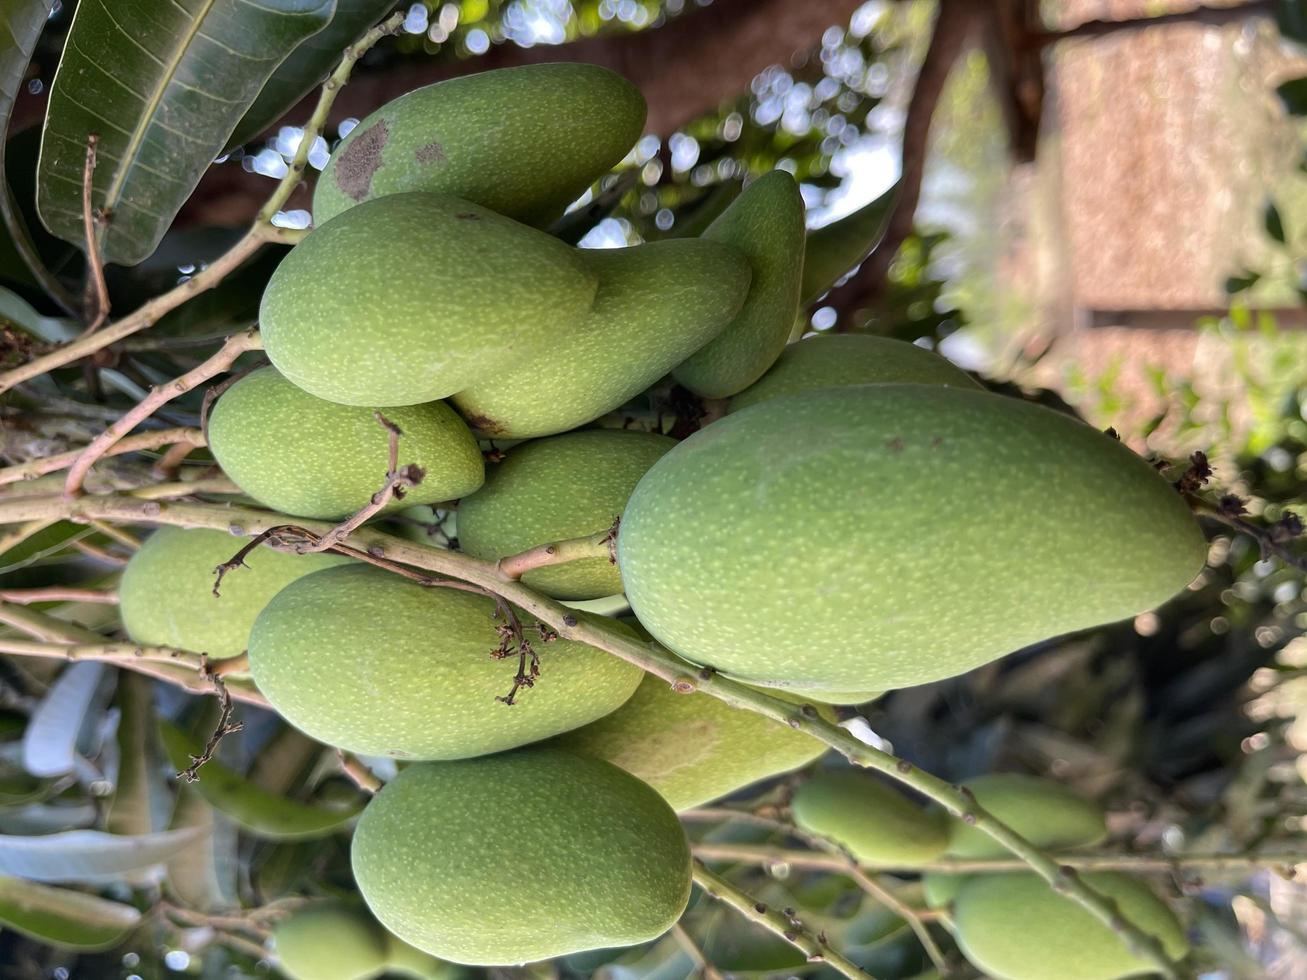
(845, 359)
(166, 595)
(692, 748)
(330, 940)
(882, 536)
(1043, 812)
(412, 297)
(365, 660)
(302, 455)
(1015, 927)
(569, 486)
(525, 142)
(657, 304)
(876, 823)
(521, 856)
(766, 224)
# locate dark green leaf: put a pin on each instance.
(1293, 94)
(87, 855)
(1237, 284)
(64, 918)
(1291, 18)
(1273, 222)
(308, 65)
(256, 810)
(164, 85)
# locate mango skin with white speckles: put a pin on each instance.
(313, 458)
(521, 856)
(881, 536)
(364, 660)
(692, 748)
(524, 141)
(1015, 927)
(411, 297)
(330, 940)
(166, 595)
(842, 360)
(657, 304)
(1044, 812)
(568, 486)
(766, 223)
(876, 823)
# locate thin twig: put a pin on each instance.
(160, 395)
(358, 774)
(702, 967)
(398, 481)
(99, 292)
(28, 529)
(261, 232)
(221, 730)
(58, 593)
(648, 656)
(1283, 862)
(102, 555)
(601, 545)
(167, 465)
(782, 922)
(130, 444)
(117, 534)
(1270, 541)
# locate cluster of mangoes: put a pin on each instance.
(864, 516)
(1011, 925)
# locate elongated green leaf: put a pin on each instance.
(59, 917)
(129, 810)
(308, 65)
(50, 741)
(193, 873)
(163, 83)
(833, 249)
(88, 855)
(15, 311)
(256, 810)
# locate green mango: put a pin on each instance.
(876, 823)
(765, 223)
(365, 660)
(409, 961)
(691, 748)
(302, 455)
(657, 304)
(1047, 814)
(1015, 927)
(412, 297)
(842, 360)
(568, 486)
(166, 596)
(525, 142)
(521, 856)
(936, 529)
(330, 940)
(940, 888)
(833, 249)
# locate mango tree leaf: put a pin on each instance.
(308, 65)
(49, 744)
(256, 810)
(194, 874)
(88, 855)
(1273, 223)
(163, 84)
(129, 810)
(63, 918)
(834, 249)
(15, 311)
(1293, 94)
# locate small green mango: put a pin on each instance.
(166, 595)
(657, 304)
(1047, 814)
(833, 249)
(568, 486)
(521, 856)
(301, 455)
(330, 940)
(412, 297)
(765, 223)
(876, 823)
(409, 961)
(936, 529)
(691, 748)
(365, 660)
(484, 137)
(940, 888)
(842, 360)
(1015, 927)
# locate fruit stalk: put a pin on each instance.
(1286, 862)
(683, 677)
(261, 232)
(781, 922)
(599, 545)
